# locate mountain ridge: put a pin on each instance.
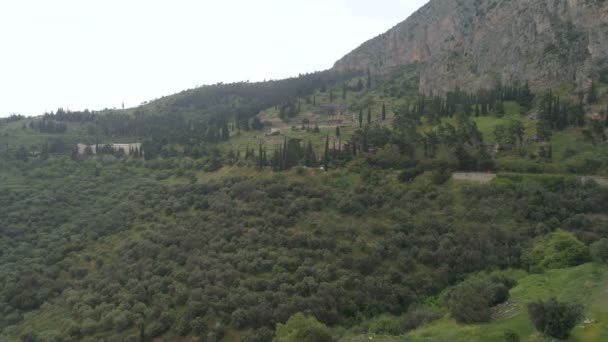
(475, 44)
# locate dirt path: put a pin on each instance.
(484, 178)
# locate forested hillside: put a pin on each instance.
(333, 206)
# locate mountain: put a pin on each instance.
(477, 43)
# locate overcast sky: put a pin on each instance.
(94, 54)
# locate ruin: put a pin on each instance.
(127, 149)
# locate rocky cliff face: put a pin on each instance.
(477, 43)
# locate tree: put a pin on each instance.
(338, 133)
(326, 156)
(360, 117)
(599, 251)
(557, 250)
(383, 111)
(516, 132)
(309, 156)
(369, 79)
(593, 96)
(369, 115)
(471, 300)
(555, 319)
(300, 328)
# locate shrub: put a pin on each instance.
(558, 250)
(555, 319)
(599, 251)
(386, 325)
(410, 174)
(300, 328)
(417, 317)
(511, 336)
(471, 300)
(260, 335)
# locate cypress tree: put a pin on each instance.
(365, 147)
(225, 132)
(593, 93)
(369, 115)
(361, 117)
(383, 111)
(261, 158)
(359, 85)
(285, 154)
(309, 157)
(338, 131)
(326, 157)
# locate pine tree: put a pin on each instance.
(383, 111)
(477, 113)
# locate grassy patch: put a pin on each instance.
(586, 284)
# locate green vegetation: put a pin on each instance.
(316, 208)
(300, 328)
(583, 285)
(555, 319)
(559, 250)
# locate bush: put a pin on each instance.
(511, 336)
(260, 335)
(386, 325)
(599, 251)
(558, 250)
(410, 174)
(300, 328)
(555, 319)
(417, 317)
(471, 300)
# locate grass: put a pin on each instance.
(586, 284)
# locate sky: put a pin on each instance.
(95, 54)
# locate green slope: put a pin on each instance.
(586, 284)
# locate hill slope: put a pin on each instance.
(476, 43)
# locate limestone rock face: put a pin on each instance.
(477, 43)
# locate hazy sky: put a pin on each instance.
(93, 54)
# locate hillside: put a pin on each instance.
(587, 284)
(474, 44)
(418, 200)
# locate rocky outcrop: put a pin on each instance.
(477, 43)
